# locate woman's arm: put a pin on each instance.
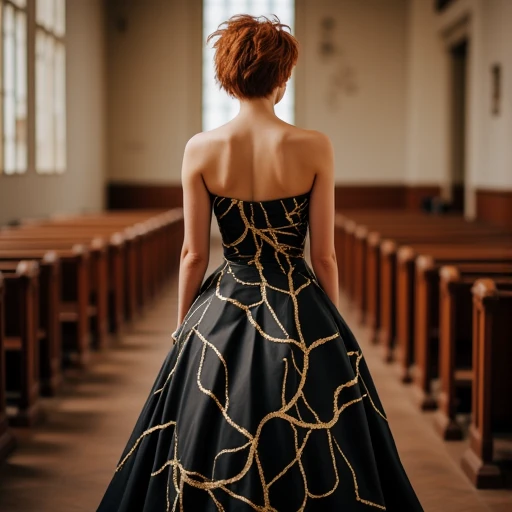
(321, 218)
(195, 252)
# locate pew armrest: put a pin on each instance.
(405, 254)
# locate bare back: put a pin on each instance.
(257, 158)
(266, 159)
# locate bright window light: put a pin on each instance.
(218, 107)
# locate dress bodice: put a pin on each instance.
(263, 231)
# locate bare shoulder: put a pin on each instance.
(197, 152)
(317, 140)
(197, 143)
(311, 138)
(209, 140)
(311, 146)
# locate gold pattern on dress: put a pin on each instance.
(380, 413)
(223, 408)
(283, 392)
(268, 241)
(228, 450)
(144, 434)
(233, 202)
(356, 487)
(186, 339)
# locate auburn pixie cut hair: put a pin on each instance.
(253, 55)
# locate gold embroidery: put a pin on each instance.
(356, 487)
(144, 434)
(266, 241)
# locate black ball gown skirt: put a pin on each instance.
(265, 401)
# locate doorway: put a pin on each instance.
(459, 66)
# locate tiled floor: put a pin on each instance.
(65, 465)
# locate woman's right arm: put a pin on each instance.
(321, 218)
(197, 213)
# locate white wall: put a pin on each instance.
(427, 126)
(495, 171)
(82, 186)
(367, 125)
(488, 150)
(154, 85)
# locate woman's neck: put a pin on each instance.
(257, 107)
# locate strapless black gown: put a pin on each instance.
(265, 401)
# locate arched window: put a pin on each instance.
(218, 107)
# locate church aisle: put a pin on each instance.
(65, 464)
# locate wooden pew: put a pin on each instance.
(386, 224)
(406, 307)
(7, 441)
(348, 257)
(359, 269)
(142, 251)
(364, 246)
(492, 385)
(74, 297)
(21, 343)
(455, 336)
(116, 245)
(152, 239)
(436, 237)
(360, 235)
(426, 319)
(98, 283)
(49, 323)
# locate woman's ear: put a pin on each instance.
(280, 93)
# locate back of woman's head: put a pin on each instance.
(253, 55)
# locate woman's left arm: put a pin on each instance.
(197, 211)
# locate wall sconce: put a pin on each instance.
(496, 89)
(121, 24)
(327, 47)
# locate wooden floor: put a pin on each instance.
(66, 464)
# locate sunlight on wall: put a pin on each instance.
(218, 107)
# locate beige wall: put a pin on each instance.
(488, 26)
(388, 119)
(154, 87)
(366, 117)
(82, 186)
(427, 126)
(495, 171)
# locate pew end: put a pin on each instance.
(372, 283)
(492, 355)
(22, 345)
(359, 271)
(387, 331)
(405, 300)
(7, 440)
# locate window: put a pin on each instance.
(218, 107)
(13, 148)
(33, 85)
(50, 86)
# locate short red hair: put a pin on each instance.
(253, 55)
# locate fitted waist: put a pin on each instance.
(280, 263)
(267, 253)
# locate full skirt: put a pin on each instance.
(264, 402)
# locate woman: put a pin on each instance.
(265, 401)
